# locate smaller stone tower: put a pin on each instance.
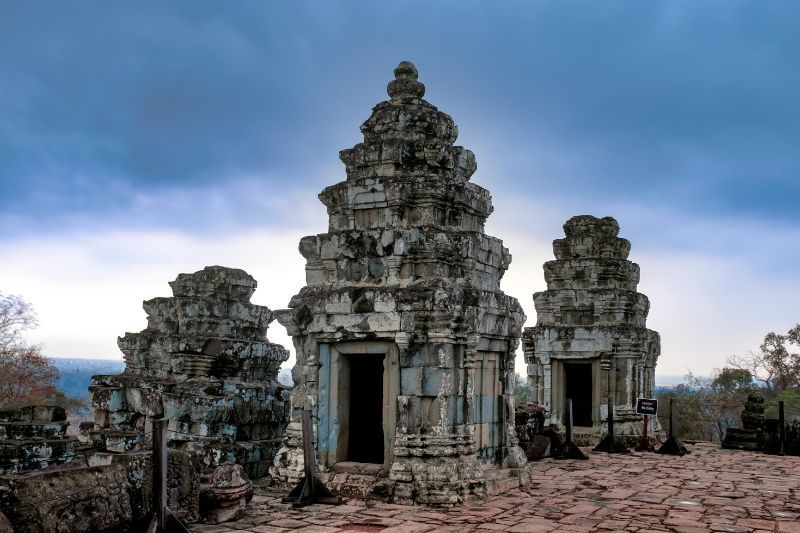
(203, 362)
(590, 342)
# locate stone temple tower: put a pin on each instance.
(204, 363)
(405, 342)
(590, 342)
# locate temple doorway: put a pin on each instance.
(578, 386)
(365, 439)
(489, 421)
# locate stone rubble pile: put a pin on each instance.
(529, 419)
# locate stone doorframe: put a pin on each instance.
(332, 426)
(558, 388)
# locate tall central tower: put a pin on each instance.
(405, 342)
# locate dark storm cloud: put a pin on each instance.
(105, 107)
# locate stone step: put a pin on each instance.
(500, 480)
(24, 455)
(34, 413)
(350, 485)
(350, 467)
(33, 430)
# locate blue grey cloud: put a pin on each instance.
(686, 104)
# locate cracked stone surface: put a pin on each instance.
(710, 489)
(34, 437)
(406, 273)
(591, 316)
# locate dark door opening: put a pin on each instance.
(578, 386)
(365, 438)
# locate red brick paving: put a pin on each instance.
(709, 490)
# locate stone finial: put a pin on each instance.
(590, 225)
(590, 237)
(405, 84)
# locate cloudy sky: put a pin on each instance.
(141, 140)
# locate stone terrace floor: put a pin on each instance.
(709, 490)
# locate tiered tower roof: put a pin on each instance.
(407, 209)
(591, 282)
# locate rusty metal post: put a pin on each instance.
(611, 423)
(673, 445)
(163, 520)
(609, 444)
(570, 450)
(569, 419)
(644, 442)
(160, 472)
(309, 454)
(309, 489)
(782, 428)
(672, 414)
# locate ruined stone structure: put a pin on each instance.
(110, 493)
(405, 342)
(203, 362)
(590, 342)
(529, 423)
(34, 437)
(68, 499)
(751, 435)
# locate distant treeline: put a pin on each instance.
(707, 407)
(74, 375)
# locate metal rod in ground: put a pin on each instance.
(160, 471)
(609, 443)
(672, 414)
(569, 419)
(310, 489)
(781, 428)
(644, 443)
(163, 519)
(570, 450)
(611, 420)
(673, 445)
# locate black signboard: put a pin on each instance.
(647, 406)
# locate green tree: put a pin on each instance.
(707, 407)
(523, 392)
(732, 381)
(726, 395)
(777, 363)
